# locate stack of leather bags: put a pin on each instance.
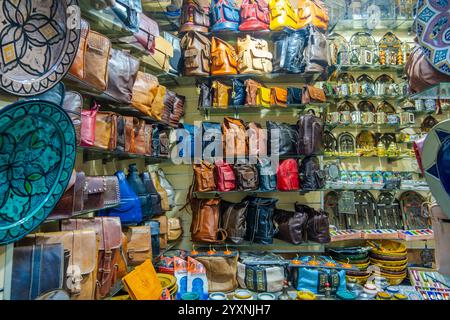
(358, 257)
(391, 258)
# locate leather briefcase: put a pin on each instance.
(254, 15)
(221, 94)
(247, 178)
(225, 15)
(97, 60)
(251, 89)
(106, 131)
(312, 12)
(312, 94)
(72, 200)
(223, 58)
(253, 56)
(234, 138)
(195, 16)
(143, 92)
(282, 15)
(139, 245)
(73, 104)
(233, 217)
(196, 54)
(204, 177)
(278, 97)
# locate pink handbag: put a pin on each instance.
(88, 118)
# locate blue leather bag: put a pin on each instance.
(267, 175)
(260, 228)
(289, 52)
(154, 230)
(238, 93)
(128, 12)
(294, 96)
(155, 197)
(193, 132)
(138, 187)
(225, 15)
(211, 131)
(129, 208)
(36, 270)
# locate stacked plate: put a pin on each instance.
(391, 258)
(358, 257)
(169, 282)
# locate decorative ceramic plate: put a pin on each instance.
(38, 43)
(435, 160)
(433, 30)
(37, 156)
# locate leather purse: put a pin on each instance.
(140, 138)
(251, 89)
(311, 176)
(312, 12)
(317, 55)
(143, 92)
(72, 201)
(205, 221)
(129, 207)
(234, 137)
(254, 56)
(278, 97)
(175, 229)
(290, 225)
(282, 15)
(174, 64)
(73, 104)
(263, 97)
(36, 270)
(260, 228)
(88, 125)
(310, 135)
(223, 58)
(246, 177)
(106, 130)
(122, 73)
(139, 188)
(237, 93)
(161, 191)
(195, 16)
(225, 15)
(226, 179)
(221, 95)
(254, 15)
(139, 245)
(160, 59)
(101, 192)
(267, 175)
(294, 96)
(221, 272)
(96, 60)
(205, 97)
(287, 176)
(196, 54)
(233, 217)
(157, 106)
(312, 94)
(204, 177)
(257, 140)
(142, 283)
(125, 134)
(318, 225)
(284, 136)
(78, 66)
(155, 197)
(148, 31)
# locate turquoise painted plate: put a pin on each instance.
(37, 156)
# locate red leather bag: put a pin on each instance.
(88, 120)
(287, 176)
(254, 15)
(226, 179)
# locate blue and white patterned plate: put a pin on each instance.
(37, 156)
(433, 31)
(38, 42)
(436, 160)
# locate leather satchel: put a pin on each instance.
(263, 97)
(278, 97)
(237, 93)
(148, 31)
(160, 59)
(221, 94)
(125, 134)
(312, 94)
(174, 66)
(196, 54)
(223, 58)
(282, 15)
(205, 221)
(290, 225)
(317, 55)
(294, 96)
(138, 187)
(204, 177)
(225, 15)
(226, 179)
(284, 136)
(106, 131)
(101, 192)
(139, 245)
(139, 137)
(251, 89)
(195, 16)
(253, 56)
(72, 200)
(246, 177)
(233, 217)
(312, 12)
(96, 60)
(234, 137)
(289, 52)
(221, 272)
(122, 73)
(36, 270)
(287, 176)
(267, 175)
(311, 176)
(78, 66)
(254, 15)
(260, 228)
(257, 140)
(73, 104)
(143, 92)
(88, 126)
(310, 135)
(155, 197)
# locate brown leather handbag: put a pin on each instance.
(106, 130)
(71, 202)
(234, 220)
(278, 97)
(312, 94)
(100, 192)
(195, 16)
(205, 221)
(125, 133)
(122, 73)
(247, 178)
(223, 58)
(78, 66)
(254, 56)
(140, 140)
(251, 88)
(291, 225)
(96, 60)
(73, 104)
(221, 94)
(157, 107)
(196, 54)
(204, 179)
(143, 92)
(139, 245)
(234, 137)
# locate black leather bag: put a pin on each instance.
(238, 93)
(318, 226)
(139, 188)
(246, 177)
(294, 96)
(205, 96)
(260, 228)
(288, 136)
(290, 225)
(289, 52)
(310, 135)
(233, 217)
(311, 176)
(155, 198)
(267, 175)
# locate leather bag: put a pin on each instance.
(175, 229)
(312, 12)
(317, 55)
(290, 225)
(311, 176)
(140, 138)
(257, 140)
(287, 176)
(139, 245)
(125, 134)
(139, 188)
(246, 177)
(221, 272)
(144, 92)
(78, 66)
(128, 12)
(36, 270)
(100, 192)
(251, 89)
(294, 96)
(226, 179)
(224, 59)
(310, 135)
(157, 107)
(143, 283)
(88, 126)
(312, 94)
(254, 56)
(318, 226)
(106, 131)
(233, 217)
(155, 197)
(160, 59)
(148, 31)
(174, 65)
(286, 139)
(161, 191)
(289, 52)
(163, 230)
(212, 140)
(314, 279)
(166, 185)
(282, 15)
(260, 228)
(225, 15)
(267, 175)
(195, 16)
(196, 54)
(72, 201)
(205, 221)
(278, 97)
(122, 73)
(204, 177)
(263, 97)
(221, 95)
(234, 137)
(96, 60)
(254, 15)
(73, 104)
(237, 93)
(205, 97)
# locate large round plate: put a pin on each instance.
(38, 43)
(37, 156)
(435, 160)
(433, 32)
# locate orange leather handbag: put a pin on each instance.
(312, 12)
(234, 137)
(144, 92)
(278, 97)
(223, 58)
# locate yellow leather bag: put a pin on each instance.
(221, 94)
(143, 283)
(263, 97)
(160, 60)
(157, 107)
(253, 56)
(312, 12)
(282, 15)
(144, 92)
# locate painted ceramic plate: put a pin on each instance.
(433, 32)
(435, 160)
(37, 156)
(38, 43)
